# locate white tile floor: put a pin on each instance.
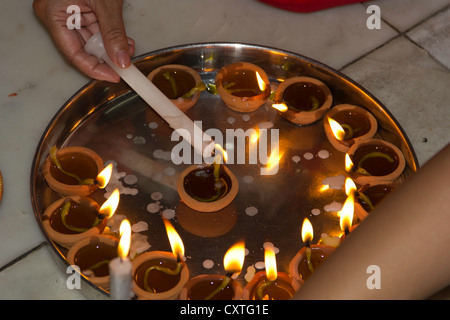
(405, 64)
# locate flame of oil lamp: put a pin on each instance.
(273, 163)
(110, 205)
(350, 167)
(350, 186)
(175, 241)
(261, 83)
(104, 176)
(270, 262)
(307, 236)
(346, 214)
(337, 129)
(233, 262)
(120, 268)
(282, 107)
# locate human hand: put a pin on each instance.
(103, 15)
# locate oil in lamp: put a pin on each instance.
(181, 84)
(302, 100)
(346, 124)
(75, 171)
(243, 86)
(72, 218)
(310, 257)
(270, 284)
(160, 275)
(368, 197)
(218, 287)
(374, 161)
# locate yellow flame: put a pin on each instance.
(324, 187)
(234, 258)
(274, 159)
(222, 151)
(110, 205)
(175, 240)
(125, 238)
(280, 107)
(348, 163)
(104, 176)
(307, 230)
(337, 129)
(350, 186)
(271, 263)
(346, 214)
(261, 83)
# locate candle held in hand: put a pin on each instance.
(176, 119)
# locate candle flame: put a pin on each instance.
(125, 238)
(348, 163)
(271, 263)
(346, 214)
(110, 205)
(175, 240)
(350, 186)
(337, 129)
(104, 176)
(307, 231)
(234, 258)
(261, 83)
(280, 107)
(274, 160)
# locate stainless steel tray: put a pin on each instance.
(112, 120)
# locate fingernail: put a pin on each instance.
(123, 58)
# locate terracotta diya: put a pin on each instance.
(374, 161)
(218, 287)
(302, 100)
(73, 170)
(207, 188)
(92, 255)
(181, 84)
(270, 284)
(72, 218)
(242, 86)
(160, 275)
(346, 124)
(368, 197)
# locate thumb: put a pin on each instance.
(109, 16)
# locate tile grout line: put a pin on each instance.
(22, 256)
(399, 35)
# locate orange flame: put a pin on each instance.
(271, 263)
(110, 205)
(348, 163)
(234, 258)
(346, 214)
(125, 238)
(261, 83)
(222, 151)
(104, 176)
(337, 129)
(280, 107)
(307, 231)
(175, 240)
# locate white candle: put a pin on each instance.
(120, 279)
(176, 119)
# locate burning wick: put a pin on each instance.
(178, 250)
(307, 236)
(271, 272)
(233, 262)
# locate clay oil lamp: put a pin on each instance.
(181, 84)
(73, 218)
(346, 124)
(368, 197)
(207, 188)
(75, 171)
(270, 284)
(242, 86)
(218, 287)
(310, 257)
(160, 275)
(120, 267)
(92, 255)
(302, 100)
(374, 161)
